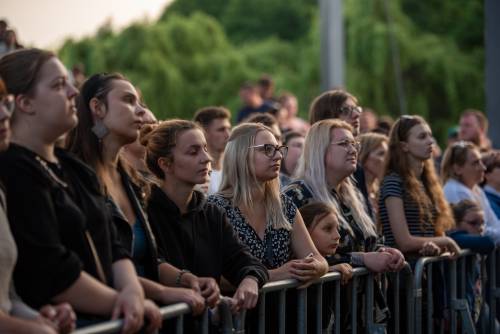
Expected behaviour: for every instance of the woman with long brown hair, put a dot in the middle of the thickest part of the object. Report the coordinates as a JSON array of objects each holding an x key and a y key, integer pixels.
[
  {"x": 412, "y": 208},
  {"x": 110, "y": 116}
]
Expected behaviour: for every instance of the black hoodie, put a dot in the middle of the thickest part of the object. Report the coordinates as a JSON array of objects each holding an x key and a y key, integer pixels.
[{"x": 201, "y": 241}]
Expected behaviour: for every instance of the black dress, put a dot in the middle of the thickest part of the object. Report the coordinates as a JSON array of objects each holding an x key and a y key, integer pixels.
[{"x": 56, "y": 213}]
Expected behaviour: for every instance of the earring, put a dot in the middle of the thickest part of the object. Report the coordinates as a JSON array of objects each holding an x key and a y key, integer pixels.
[{"x": 100, "y": 130}]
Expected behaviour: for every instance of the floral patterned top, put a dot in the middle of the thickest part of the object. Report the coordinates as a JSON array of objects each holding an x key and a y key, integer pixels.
[
  {"x": 351, "y": 240},
  {"x": 275, "y": 249}
]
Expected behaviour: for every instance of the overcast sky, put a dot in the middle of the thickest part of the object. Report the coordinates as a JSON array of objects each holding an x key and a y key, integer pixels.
[{"x": 46, "y": 23}]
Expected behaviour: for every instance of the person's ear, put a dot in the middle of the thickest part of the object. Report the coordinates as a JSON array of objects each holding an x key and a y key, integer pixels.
[
  {"x": 457, "y": 170},
  {"x": 24, "y": 104},
  {"x": 97, "y": 108},
  {"x": 165, "y": 165},
  {"x": 404, "y": 146}
]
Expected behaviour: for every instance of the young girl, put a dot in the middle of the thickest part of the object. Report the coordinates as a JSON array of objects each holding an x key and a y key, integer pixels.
[
  {"x": 468, "y": 233},
  {"x": 323, "y": 226}
]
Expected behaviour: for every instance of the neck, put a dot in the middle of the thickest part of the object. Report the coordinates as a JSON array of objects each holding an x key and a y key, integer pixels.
[
  {"x": 417, "y": 166},
  {"x": 179, "y": 192},
  {"x": 469, "y": 185},
  {"x": 216, "y": 159},
  {"x": 333, "y": 180},
  {"x": 35, "y": 143},
  {"x": 110, "y": 153},
  {"x": 258, "y": 193}
]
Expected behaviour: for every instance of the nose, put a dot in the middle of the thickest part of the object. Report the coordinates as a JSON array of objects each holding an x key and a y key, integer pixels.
[
  {"x": 140, "y": 110},
  {"x": 72, "y": 91},
  {"x": 483, "y": 167},
  {"x": 206, "y": 157}
]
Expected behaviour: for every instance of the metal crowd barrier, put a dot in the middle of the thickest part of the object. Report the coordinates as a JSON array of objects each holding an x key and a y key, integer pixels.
[{"x": 416, "y": 305}]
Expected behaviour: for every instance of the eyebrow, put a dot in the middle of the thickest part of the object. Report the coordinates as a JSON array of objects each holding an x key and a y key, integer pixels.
[{"x": 59, "y": 77}]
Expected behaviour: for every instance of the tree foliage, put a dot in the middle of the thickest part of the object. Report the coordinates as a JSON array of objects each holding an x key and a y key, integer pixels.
[{"x": 199, "y": 52}]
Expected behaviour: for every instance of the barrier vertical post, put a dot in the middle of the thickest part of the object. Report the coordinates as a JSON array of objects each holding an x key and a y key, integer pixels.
[{"x": 302, "y": 311}]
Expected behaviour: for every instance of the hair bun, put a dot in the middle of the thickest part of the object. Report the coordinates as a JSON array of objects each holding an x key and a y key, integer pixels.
[{"x": 145, "y": 133}]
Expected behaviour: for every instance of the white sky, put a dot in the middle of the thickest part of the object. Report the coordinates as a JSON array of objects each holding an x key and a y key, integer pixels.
[{"x": 46, "y": 23}]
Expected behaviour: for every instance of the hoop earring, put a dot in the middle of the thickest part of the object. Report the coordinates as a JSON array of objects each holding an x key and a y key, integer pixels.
[{"x": 100, "y": 130}]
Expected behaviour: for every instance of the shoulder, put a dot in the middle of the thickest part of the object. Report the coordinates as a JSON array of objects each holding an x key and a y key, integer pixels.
[
  {"x": 392, "y": 179},
  {"x": 219, "y": 200},
  {"x": 19, "y": 165},
  {"x": 298, "y": 193},
  {"x": 392, "y": 185}
]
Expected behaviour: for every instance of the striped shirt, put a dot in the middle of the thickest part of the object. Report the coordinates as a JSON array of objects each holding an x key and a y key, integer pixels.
[{"x": 392, "y": 186}]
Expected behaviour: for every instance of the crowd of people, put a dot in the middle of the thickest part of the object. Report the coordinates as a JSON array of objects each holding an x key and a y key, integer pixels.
[{"x": 106, "y": 212}]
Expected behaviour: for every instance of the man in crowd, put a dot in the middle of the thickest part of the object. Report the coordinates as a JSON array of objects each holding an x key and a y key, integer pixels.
[
  {"x": 474, "y": 128},
  {"x": 252, "y": 101},
  {"x": 217, "y": 126}
]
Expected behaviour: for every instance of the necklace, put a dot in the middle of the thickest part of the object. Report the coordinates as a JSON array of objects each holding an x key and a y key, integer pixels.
[{"x": 53, "y": 175}]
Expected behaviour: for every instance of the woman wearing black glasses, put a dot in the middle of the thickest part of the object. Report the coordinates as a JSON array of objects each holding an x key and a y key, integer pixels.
[{"x": 267, "y": 222}]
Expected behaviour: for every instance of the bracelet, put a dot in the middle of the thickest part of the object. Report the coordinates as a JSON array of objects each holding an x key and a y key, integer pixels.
[
  {"x": 253, "y": 278},
  {"x": 179, "y": 276}
]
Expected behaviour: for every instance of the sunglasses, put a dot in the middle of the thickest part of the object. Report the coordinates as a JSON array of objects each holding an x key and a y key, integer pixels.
[{"x": 270, "y": 150}]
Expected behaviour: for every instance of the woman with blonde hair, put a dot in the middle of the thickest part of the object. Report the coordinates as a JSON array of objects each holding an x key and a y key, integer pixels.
[
  {"x": 328, "y": 161},
  {"x": 324, "y": 175},
  {"x": 371, "y": 157},
  {"x": 462, "y": 170},
  {"x": 412, "y": 208},
  {"x": 266, "y": 221}
]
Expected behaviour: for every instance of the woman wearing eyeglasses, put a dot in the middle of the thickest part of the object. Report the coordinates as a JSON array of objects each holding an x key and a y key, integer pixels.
[
  {"x": 267, "y": 222},
  {"x": 324, "y": 175},
  {"x": 329, "y": 159},
  {"x": 462, "y": 170}
]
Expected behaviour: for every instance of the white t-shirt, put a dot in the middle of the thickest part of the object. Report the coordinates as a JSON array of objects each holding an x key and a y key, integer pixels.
[
  {"x": 455, "y": 191},
  {"x": 215, "y": 180}
]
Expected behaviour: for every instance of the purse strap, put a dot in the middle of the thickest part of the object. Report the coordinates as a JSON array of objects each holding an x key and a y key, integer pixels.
[{"x": 98, "y": 264}]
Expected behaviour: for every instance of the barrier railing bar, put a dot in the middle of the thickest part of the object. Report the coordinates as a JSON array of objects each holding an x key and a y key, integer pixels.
[
  {"x": 282, "y": 309},
  {"x": 302, "y": 311},
  {"x": 319, "y": 308},
  {"x": 262, "y": 313},
  {"x": 337, "y": 307},
  {"x": 354, "y": 304}
]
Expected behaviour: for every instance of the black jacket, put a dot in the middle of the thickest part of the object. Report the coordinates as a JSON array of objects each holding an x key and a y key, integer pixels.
[
  {"x": 49, "y": 209},
  {"x": 134, "y": 194},
  {"x": 201, "y": 241}
]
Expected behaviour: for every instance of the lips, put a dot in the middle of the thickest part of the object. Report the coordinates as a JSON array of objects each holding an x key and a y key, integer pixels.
[{"x": 203, "y": 171}]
